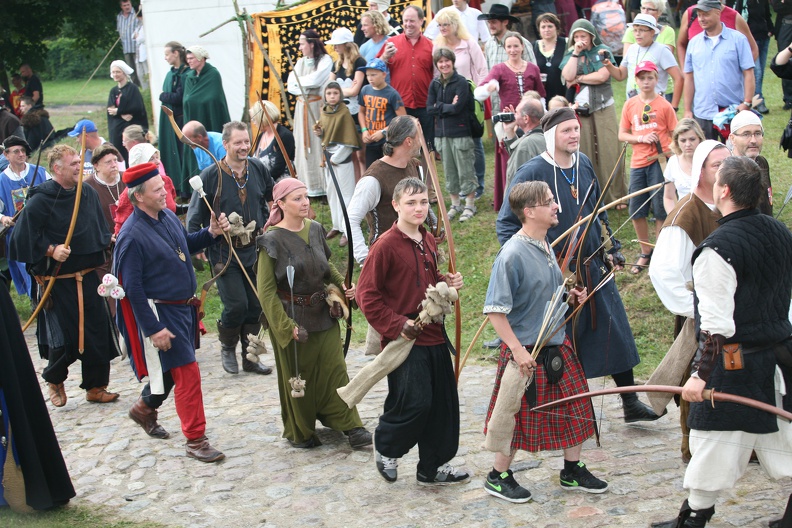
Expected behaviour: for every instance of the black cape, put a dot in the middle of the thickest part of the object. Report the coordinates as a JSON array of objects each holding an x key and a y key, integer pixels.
[{"x": 47, "y": 481}]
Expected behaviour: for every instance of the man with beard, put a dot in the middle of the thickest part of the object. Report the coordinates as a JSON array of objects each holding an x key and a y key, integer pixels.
[
  {"x": 605, "y": 343},
  {"x": 245, "y": 189}
]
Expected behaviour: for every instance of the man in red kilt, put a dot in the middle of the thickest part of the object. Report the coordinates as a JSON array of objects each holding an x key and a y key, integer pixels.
[{"x": 524, "y": 277}]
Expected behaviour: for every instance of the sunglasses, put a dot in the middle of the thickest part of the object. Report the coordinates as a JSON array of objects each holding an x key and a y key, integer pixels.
[{"x": 645, "y": 114}]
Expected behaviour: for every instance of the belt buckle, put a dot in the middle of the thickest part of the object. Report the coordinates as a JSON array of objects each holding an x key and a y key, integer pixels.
[{"x": 316, "y": 298}]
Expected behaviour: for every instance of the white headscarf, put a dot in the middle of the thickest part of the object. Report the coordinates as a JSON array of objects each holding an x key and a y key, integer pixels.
[
  {"x": 198, "y": 51},
  {"x": 699, "y": 157},
  {"x": 121, "y": 65},
  {"x": 141, "y": 153}
]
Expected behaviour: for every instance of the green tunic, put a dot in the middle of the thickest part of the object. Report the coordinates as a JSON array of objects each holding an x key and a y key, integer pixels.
[
  {"x": 172, "y": 95},
  {"x": 321, "y": 359},
  {"x": 204, "y": 101}
]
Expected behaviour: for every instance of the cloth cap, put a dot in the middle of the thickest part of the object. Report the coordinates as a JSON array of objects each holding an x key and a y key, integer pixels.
[
  {"x": 340, "y": 36},
  {"x": 83, "y": 124},
  {"x": 141, "y": 153},
  {"x": 281, "y": 190},
  {"x": 198, "y": 51},
  {"x": 382, "y": 5},
  {"x": 708, "y": 5},
  {"x": 499, "y": 12},
  {"x": 645, "y": 66},
  {"x": 374, "y": 64},
  {"x": 555, "y": 117},
  {"x": 745, "y": 118},
  {"x": 16, "y": 141},
  {"x": 646, "y": 20},
  {"x": 699, "y": 157},
  {"x": 138, "y": 174},
  {"x": 123, "y": 66}
]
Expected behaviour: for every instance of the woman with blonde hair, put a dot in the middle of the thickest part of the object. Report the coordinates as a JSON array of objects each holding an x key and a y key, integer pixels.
[
  {"x": 268, "y": 150},
  {"x": 684, "y": 139}
]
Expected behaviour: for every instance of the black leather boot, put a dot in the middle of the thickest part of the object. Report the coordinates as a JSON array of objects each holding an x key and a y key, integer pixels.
[
  {"x": 786, "y": 520},
  {"x": 229, "y": 337},
  {"x": 688, "y": 518},
  {"x": 247, "y": 365},
  {"x": 637, "y": 411}
]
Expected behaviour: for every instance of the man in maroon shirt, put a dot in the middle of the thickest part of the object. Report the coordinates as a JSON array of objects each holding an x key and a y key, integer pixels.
[{"x": 409, "y": 58}]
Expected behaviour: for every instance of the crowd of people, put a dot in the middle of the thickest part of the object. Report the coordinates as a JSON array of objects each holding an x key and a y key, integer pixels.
[{"x": 360, "y": 123}]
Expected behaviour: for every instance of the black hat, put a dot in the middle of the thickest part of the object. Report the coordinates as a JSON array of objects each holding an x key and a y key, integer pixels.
[
  {"x": 499, "y": 12},
  {"x": 556, "y": 116},
  {"x": 16, "y": 141}
]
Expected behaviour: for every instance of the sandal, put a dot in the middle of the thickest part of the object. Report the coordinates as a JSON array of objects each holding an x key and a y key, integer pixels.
[
  {"x": 638, "y": 268},
  {"x": 467, "y": 214},
  {"x": 454, "y": 210}
]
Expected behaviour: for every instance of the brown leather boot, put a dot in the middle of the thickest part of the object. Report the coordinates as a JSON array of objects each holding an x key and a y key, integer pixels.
[
  {"x": 100, "y": 395},
  {"x": 57, "y": 394},
  {"x": 146, "y": 417},
  {"x": 200, "y": 449}
]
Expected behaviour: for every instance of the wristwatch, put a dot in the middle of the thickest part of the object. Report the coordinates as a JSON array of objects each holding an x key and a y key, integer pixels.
[{"x": 749, "y": 104}]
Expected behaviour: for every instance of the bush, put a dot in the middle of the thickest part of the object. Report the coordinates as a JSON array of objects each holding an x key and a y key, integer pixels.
[{"x": 66, "y": 61}]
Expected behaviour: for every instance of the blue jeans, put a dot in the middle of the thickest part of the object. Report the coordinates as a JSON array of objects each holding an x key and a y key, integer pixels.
[
  {"x": 641, "y": 178},
  {"x": 479, "y": 163},
  {"x": 761, "y": 62}
]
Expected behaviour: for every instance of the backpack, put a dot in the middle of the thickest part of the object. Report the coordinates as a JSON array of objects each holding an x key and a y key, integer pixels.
[
  {"x": 477, "y": 116},
  {"x": 610, "y": 23}
]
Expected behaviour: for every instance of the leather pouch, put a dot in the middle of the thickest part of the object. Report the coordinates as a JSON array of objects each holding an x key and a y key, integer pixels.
[{"x": 732, "y": 356}]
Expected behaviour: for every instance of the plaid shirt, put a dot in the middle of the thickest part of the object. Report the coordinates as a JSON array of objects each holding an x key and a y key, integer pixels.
[
  {"x": 126, "y": 27},
  {"x": 495, "y": 53}
]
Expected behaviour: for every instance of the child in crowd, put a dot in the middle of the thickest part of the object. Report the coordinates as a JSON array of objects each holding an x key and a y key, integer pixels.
[
  {"x": 339, "y": 137},
  {"x": 646, "y": 123},
  {"x": 379, "y": 103}
]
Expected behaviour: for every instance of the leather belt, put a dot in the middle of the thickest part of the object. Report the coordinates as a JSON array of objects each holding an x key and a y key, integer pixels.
[
  {"x": 303, "y": 300},
  {"x": 192, "y": 301},
  {"x": 77, "y": 276}
]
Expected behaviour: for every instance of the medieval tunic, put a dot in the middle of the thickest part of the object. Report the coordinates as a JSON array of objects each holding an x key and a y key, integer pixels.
[
  {"x": 422, "y": 406},
  {"x": 204, "y": 101},
  {"x": 523, "y": 279},
  {"x": 308, "y": 156},
  {"x": 171, "y": 97},
  {"x": 45, "y": 220},
  {"x": 13, "y": 192},
  {"x": 36, "y": 449},
  {"x": 128, "y": 101},
  {"x": 341, "y": 140},
  {"x": 610, "y": 347},
  {"x": 742, "y": 280},
  {"x": 240, "y": 305},
  {"x": 148, "y": 266},
  {"x": 320, "y": 359}
]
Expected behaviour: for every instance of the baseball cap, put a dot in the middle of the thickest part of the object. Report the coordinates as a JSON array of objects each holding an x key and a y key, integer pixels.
[
  {"x": 340, "y": 36},
  {"x": 375, "y": 64},
  {"x": 708, "y": 5},
  {"x": 83, "y": 124},
  {"x": 645, "y": 66}
]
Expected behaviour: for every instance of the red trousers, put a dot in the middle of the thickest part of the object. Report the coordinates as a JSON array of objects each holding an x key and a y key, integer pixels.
[{"x": 188, "y": 398}]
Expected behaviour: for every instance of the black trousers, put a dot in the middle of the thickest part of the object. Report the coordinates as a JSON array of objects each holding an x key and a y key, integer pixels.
[
  {"x": 240, "y": 304},
  {"x": 93, "y": 375},
  {"x": 784, "y": 39},
  {"x": 156, "y": 400},
  {"x": 427, "y": 124},
  {"x": 422, "y": 408}
]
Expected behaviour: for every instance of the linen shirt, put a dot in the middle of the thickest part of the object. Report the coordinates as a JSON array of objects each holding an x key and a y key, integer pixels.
[
  {"x": 126, "y": 27},
  {"x": 717, "y": 64}
]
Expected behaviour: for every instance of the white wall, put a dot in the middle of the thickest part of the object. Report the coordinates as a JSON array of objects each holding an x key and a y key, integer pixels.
[{"x": 183, "y": 21}]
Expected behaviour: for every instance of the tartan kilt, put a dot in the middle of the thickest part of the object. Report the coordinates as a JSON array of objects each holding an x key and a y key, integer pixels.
[{"x": 561, "y": 427}]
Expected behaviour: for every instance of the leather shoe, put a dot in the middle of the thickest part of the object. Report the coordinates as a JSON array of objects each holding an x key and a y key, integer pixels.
[
  {"x": 256, "y": 368},
  {"x": 228, "y": 358},
  {"x": 308, "y": 444},
  {"x": 358, "y": 437},
  {"x": 100, "y": 395},
  {"x": 637, "y": 411},
  {"x": 200, "y": 449},
  {"x": 57, "y": 394},
  {"x": 343, "y": 242},
  {"x": 146, "y": 417},
  {"x": 332, "y": 234}
]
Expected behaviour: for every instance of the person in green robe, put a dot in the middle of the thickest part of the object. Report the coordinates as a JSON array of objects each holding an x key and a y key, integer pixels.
[
  {"x": 204, "y": 101},
  {"x": 171, "y": 97},
  {"x": 304, "y": 332}
]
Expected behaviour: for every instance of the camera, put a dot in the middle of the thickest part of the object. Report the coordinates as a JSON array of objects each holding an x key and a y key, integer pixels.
[
  {"x": 583, "y": 110},
  {"x": 503, "y": 117}
]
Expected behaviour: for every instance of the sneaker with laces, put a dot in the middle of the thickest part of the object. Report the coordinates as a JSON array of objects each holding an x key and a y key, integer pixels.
[
  {"x": 446, "y": 475},
  {"x": 506, "y": 488},
  {"x": 387, "y": 467},
  {"x": 581, "y": 479}
]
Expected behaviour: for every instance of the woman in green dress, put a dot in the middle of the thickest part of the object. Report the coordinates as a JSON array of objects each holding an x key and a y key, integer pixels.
[{"x": 305, "y": 338}]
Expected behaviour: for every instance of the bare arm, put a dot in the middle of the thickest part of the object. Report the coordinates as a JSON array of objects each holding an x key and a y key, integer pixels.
[
  {"x": 688, "y": 94},
  {"x": 742, "y": 26},
  {"x": 669, "y": 196},
  {"x": 679, "y": 85},
  {"x": 682, "y": 39}
]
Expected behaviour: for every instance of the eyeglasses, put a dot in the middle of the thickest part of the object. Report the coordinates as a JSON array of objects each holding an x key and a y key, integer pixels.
[
  {"x": 755, "y": 135},
  {"x": 640, "y": 30},
  {"x": 20, "y": 150},
  {"x": 548, "y": 203},
  {"x": 645, "y": 114},
  {"x": 647, "y": 8}
]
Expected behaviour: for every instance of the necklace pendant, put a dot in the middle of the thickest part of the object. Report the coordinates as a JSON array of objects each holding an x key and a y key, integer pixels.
[
  {"x": 181, "y": 255},
  {"x": 574, "y": 192}
]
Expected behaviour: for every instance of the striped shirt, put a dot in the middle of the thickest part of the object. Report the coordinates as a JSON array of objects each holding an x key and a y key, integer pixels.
[{"x": 126, "y": 27}]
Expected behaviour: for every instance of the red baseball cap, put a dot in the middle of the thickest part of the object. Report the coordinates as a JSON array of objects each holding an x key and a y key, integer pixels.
[{"x": 645, "y": 66}]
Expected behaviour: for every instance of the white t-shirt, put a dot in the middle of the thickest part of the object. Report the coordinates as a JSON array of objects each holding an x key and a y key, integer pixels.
[
  {"x": 659, "y": 54},
  {"x": 677, "y": 176}
]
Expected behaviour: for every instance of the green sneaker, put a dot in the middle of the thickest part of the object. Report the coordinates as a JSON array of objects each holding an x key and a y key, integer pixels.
[
  {"x": 506, "y": 488},
  {"x": 581, "y": 479}
]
